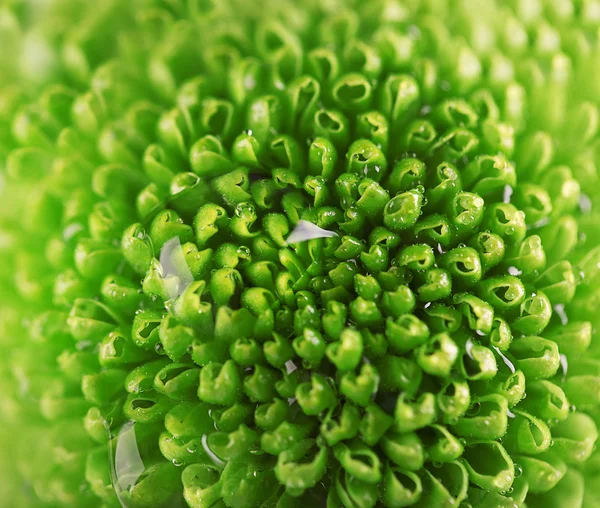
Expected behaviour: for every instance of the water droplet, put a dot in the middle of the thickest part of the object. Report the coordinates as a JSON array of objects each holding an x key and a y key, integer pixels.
[
  {"x": 173, "y": 264},
  {"x": 564, "y": 365},
  {"x": 244, "y": 252},
  {"x": 469, "y": 348},
  {"x": 290, "y": 366},
  {"x": 82, "y": 345},
  {"x": 213, "y": 457},
  {"x": 585, "y": 203},
  {"x": 560, "y": 312},
  {"x": 306, "y": 230},
  {"x": 249, "y": 83},
  {"x": 126, "y": 464},
  {"x": 507, "y": 362},
  {"x": 71, "y": 230}
]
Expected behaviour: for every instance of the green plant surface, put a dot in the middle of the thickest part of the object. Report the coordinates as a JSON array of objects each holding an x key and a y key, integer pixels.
[{"x": 278, "y": 254}]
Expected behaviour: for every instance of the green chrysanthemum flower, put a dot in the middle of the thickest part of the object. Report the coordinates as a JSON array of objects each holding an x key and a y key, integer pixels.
[{"x": 273, "y": 254}]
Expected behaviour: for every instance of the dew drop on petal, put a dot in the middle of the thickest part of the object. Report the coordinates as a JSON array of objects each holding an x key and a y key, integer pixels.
[
  {"x": 213, "y": 457},
  {"x": 469, "y": 347},
  {"x": 564, "y": 365},
  {"x": 306, "y": 230},
  {"x": 126, "y": 465},
  {"x": 585, "y": 204},
  {"x": 173, "y": 264},
  {"x": 508, "y": 363},
  {"x": 513, "y": 270},
  {"x": 560, "y": 311},
  {"x": 290, "y": 366}
]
